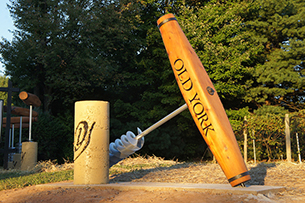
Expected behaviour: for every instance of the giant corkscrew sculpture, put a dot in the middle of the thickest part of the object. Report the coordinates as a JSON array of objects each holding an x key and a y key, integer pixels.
[{"x": 202, "y": 101}]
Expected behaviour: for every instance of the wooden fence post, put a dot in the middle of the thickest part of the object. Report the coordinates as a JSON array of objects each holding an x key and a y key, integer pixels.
[
  {"x": 288, "y": 141},
  {"x": 245, "y": 139},
  {"x": 298, "y": 146},
  {"x": 254, "y": 150}
]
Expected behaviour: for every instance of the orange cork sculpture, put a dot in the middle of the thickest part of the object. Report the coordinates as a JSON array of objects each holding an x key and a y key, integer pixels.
[{"x": 203, "y": 101}]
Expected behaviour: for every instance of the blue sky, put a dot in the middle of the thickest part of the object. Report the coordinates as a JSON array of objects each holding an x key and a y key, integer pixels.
[{"x": 5, "y": 25}]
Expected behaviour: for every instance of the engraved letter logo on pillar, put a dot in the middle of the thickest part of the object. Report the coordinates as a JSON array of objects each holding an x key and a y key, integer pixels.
[{"x": 82, "y": 136}]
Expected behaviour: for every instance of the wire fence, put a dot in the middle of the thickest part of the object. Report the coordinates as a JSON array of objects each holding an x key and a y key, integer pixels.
[{"x": 272, "y": 137}]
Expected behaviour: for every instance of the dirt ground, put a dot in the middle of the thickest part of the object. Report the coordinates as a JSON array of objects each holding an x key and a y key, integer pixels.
[{"x": 289, "y": 175}]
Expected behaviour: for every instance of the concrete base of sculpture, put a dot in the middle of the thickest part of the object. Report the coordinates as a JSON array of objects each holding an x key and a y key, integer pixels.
[
  {"x": 91, "y": 142},
  {"x": 154, "y": 186}
]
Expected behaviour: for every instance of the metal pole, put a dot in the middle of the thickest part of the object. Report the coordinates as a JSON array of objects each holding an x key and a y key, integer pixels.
[
  {"x": 1, "y": 117},
  {"x": 20, "y": 136},
  {"x": 13, "y": 129},
  {"x": 9, "y": 145},
  {"x": 20, "y": 131},
  {"x": 162, "y": 121},
  {"x": 10, "y": 138},
  {"x": 13, "y": 136},
  {"x": 30, "y": 124}
]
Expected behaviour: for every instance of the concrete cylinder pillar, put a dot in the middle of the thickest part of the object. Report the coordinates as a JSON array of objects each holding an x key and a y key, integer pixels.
[
  {"x": 29, "y": 155},
  {"x": 17, "y": 161},
  {"x": 91, "y": 142}
]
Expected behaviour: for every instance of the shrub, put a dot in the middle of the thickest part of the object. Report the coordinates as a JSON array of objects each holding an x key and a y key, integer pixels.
[{"x": 54, "y": 136}]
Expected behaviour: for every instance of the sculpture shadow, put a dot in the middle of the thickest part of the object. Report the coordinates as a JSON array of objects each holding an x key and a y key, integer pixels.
[
  {"x": 258, "y": 173},
  {"x": 141, "y": 173}
]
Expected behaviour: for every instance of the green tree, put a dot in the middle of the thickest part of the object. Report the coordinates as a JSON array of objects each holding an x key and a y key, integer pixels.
[
  {"x": 70, "y": 50},
  {"x": 217, "y": 33},
  {"x": 3, "y": 83},
  {"x": 279, "y": 27},
  {"x": 65, "y": 51}
]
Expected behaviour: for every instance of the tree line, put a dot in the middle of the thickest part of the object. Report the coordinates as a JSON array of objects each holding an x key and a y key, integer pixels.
[{"x": 65, "y": 51}]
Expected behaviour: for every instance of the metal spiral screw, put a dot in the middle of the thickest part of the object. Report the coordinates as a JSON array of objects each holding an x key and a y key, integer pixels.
[{"x": 129, "y": 143}]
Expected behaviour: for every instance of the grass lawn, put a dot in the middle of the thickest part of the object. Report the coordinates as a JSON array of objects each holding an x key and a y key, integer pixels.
[
  {"x": 50, "y": 172},
  {"x": 18, "y": 179}
]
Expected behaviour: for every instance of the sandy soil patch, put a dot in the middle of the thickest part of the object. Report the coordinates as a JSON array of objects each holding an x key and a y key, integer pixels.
[{"x": 289, "y": 175}]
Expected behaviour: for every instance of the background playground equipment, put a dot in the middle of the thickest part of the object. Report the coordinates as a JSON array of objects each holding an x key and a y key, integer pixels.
[
  {"x": 18, "y": 122},
  {"x": 30, "y": 148},
  {"x": 15, "y": 158},
  {"x": 12, "y": 153},
  {"x": 91, "y": 142},
  {"x": 31, "y": 100},
  {"x": 203, "y": 101},
  {"x": 19, "y": 111},
  {"x": 9, "y": 89}
]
